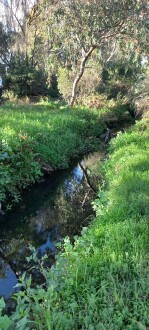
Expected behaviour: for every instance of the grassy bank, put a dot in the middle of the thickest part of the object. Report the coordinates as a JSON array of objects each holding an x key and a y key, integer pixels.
[
  {"x": 41, "y": 136},
  {"x": 103, "y": 281},
  {"x": 44, "y": 136}
]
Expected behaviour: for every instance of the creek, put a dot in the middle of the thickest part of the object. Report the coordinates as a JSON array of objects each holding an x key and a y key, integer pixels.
[{"x": 58, "y": 206}]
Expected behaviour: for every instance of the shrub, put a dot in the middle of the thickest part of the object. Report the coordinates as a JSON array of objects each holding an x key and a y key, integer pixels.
[{"x": 25, "y": 79}]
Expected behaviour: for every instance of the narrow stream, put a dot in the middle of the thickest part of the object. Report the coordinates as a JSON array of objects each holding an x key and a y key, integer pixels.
[{"x": 48, "y": 211}]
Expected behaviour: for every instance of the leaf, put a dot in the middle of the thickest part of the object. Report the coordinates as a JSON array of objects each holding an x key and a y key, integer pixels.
[
  {"x": 2, "y": 304},
  {"x": 4, "y": 156},
  {"x": 21, "y": 325},
  {"x": 4, "y": 322}
]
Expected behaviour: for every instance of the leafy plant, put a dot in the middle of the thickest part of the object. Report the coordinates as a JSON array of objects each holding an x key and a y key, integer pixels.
[{"x": 5, "y": 322}]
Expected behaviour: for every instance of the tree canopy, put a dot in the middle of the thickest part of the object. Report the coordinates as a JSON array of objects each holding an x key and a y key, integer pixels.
[{"x": 56, "y": 33}]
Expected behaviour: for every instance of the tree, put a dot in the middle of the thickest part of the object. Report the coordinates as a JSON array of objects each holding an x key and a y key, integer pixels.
[
  {"x": 25, "y": 55},
  {"x": 5, "y": 42},
  {"x": 81, "y": 26}
]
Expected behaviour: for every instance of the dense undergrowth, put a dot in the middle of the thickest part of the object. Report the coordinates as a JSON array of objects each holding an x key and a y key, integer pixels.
[
  {"x": 45, "y": 135},
  {"x": 103, "y": 281}
]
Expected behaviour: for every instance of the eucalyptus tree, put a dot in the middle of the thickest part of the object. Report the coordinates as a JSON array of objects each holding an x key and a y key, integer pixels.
[{"x": 79, "y": 27}]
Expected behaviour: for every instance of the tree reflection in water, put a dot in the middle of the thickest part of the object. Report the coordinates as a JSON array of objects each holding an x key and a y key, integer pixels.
[{"x": 51, "y": 210}]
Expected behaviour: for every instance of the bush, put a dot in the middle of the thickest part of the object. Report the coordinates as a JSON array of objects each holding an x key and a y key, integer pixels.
[
  {"x": 25, "y": 79},
  {"x": 65, "y": 81},
  {"x": 139, "y": 95},
  {"x": 93, "y": 101}
]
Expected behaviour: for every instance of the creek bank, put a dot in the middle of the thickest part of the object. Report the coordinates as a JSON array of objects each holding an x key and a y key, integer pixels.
[
  {"x": 60, "y": 205},
  {"x": 42, "y": 233},
  {"x": 47, "y": 137},
  {"x": 101, "y": 282}
]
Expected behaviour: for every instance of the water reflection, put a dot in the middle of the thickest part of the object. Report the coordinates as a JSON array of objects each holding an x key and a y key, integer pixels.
[
  {"x": 49, "y": 211},
  {"x": 48, "y": 246},
  {"x": 8, "y": 280}
]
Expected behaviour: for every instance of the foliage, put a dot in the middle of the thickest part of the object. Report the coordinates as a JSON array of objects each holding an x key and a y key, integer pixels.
[
  {"x": 121, "y": 73},
  {"x": 84, "y": 27},
  {"x": 90, "y": 80},
  {"x": 5, "y": 323},
  {"x": 53, "y": 89},
  {"x": 23, "y": 78},
  {"x": 25, "y": 50},
  {"x": 87, "y": 26},
  {"x": 39, "y": 135},
  {"x": 139, "y": 95},
  {"x": 95, "y": 100},
  {"x": 102, "y": 281},
  {"x": 5, "y": 42},
  {"x": 52, "y": 34},
  {"x": 65, "y": 79},
  {"x": 88, "y": 85}
]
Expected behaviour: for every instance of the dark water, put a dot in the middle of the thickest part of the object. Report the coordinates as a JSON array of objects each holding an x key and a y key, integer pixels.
[{"x": 59, "y": 206}]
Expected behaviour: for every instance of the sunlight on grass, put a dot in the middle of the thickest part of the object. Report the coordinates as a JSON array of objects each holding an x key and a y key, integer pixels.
[{"x": 45, "y": 133}]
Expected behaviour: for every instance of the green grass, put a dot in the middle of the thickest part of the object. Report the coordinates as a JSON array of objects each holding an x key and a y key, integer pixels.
[
  {"x": 42, "y": 134},
  {"x": 45, "y": 134},
  {"x": 103, "y": 281}
]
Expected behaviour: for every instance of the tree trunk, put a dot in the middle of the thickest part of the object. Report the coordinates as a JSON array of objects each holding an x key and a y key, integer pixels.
[
  {"x": 87, "y": 178},
  {"x": 79, "y": 75}
]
